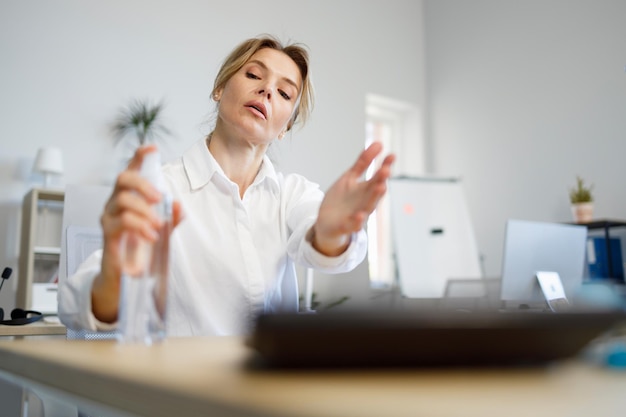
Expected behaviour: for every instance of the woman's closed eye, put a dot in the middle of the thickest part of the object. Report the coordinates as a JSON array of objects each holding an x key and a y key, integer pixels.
[{"x": 282, "y": 93}]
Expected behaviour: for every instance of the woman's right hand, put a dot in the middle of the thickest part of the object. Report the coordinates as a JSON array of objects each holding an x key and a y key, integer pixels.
[{"x": 128, "y": 210}]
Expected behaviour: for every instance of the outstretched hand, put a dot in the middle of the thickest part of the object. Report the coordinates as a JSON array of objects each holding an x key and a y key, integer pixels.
[{"x": 349, "y": 202}]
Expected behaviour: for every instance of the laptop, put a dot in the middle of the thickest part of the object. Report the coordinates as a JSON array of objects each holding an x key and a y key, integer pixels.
[
  {"x": 543, "y": 263},
  {"x": 424, "y": 339}
]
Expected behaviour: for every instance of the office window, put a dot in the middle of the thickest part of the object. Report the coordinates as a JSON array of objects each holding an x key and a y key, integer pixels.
[{"x": 397, "y": 126}]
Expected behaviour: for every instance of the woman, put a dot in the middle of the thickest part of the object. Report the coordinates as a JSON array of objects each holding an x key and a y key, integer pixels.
[{"x": 245, "y": 226}]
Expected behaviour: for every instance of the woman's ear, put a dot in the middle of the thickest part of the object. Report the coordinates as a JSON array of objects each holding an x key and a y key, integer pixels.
[{"x": 217, "y": 94}]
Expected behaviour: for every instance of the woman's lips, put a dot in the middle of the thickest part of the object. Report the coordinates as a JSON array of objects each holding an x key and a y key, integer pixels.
[{"x": 257, "y": 108}]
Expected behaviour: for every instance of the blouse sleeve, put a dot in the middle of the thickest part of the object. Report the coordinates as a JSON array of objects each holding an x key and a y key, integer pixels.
[
  {"x": 303, "y": 199},
  {"x": 74, "y": 297}
]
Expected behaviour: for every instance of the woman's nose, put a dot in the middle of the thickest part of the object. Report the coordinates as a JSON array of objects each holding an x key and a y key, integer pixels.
[{"x": 266, "y": 91}]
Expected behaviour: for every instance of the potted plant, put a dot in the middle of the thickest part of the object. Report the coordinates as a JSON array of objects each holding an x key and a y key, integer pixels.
[
  {"x": 581, "y": 199},
  {"x": 142, "y": 119}
]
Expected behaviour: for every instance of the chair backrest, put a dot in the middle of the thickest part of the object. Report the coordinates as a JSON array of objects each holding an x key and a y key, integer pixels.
[
  {"x": 81, "y": 236},
  {"x": 81, "y": 223},
  {"x": 472, "y": 294}
]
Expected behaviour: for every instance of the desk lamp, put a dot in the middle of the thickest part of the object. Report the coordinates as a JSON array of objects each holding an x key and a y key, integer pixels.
[{"x": 49, "y": 162}]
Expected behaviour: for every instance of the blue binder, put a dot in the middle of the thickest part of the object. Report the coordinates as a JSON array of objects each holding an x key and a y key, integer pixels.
[{"x": 598, "y": 260}]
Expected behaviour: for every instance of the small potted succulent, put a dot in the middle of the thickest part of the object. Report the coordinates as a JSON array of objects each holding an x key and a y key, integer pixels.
[{"x": 581, "y": 199}]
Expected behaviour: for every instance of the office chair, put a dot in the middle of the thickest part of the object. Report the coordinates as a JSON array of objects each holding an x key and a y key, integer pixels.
[{"x": 81, "y": 236}]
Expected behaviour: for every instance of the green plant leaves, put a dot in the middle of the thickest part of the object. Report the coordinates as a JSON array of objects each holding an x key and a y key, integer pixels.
[
  {"x": 581, "y": 193},
  {"x": 142, "y": 119}
]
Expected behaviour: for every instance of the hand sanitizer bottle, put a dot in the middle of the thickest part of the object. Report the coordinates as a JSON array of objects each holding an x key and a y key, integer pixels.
[{"x": 143, "y": 293}]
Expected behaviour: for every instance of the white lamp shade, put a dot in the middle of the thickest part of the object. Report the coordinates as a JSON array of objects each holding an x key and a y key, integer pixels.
[{"x": 49, "y": 161}]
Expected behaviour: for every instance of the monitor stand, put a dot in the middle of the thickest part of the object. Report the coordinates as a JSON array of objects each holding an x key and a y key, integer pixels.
[{"x": 552, "y": 289}]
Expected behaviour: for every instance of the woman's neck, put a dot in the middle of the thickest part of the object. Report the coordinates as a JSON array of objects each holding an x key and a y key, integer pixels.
[{"x": 240, "y": 160}]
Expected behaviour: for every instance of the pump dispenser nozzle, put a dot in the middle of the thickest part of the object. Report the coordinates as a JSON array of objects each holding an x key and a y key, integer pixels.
[{"x": 151, "y": 170}]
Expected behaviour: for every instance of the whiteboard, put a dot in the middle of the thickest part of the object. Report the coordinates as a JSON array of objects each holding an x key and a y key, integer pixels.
[{"x": 432, "y": 235}]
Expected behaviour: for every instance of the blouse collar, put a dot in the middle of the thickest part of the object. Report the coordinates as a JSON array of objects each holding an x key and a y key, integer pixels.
[{"x": 200, "y": 167}]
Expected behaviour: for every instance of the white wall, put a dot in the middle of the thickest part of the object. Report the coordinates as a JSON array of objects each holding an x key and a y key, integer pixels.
[
  {"x": 68, "y": 65},
  {"x": 524, "y": 96}
]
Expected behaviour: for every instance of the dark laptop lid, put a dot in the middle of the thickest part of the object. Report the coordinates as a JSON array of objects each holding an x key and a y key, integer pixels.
[{"x": 440, "y": 338}]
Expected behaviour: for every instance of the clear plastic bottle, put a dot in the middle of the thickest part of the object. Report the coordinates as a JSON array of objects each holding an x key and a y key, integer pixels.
[{"x": 143, "y": 293}]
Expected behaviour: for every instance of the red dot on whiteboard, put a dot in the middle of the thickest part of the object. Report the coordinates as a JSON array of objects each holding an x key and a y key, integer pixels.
[{"x": 408, "y": 209}]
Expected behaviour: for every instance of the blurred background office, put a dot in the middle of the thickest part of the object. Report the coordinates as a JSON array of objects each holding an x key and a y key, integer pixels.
[{"x": 515, "y": 98}]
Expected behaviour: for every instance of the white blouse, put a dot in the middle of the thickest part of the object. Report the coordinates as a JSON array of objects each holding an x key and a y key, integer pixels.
[{"x": 230, "y": 258}]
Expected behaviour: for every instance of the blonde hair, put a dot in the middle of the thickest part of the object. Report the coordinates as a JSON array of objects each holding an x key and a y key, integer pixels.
[{"x": 297, "y": 52}]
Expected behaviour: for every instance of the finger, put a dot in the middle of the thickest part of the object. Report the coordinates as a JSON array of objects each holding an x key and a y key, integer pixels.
[
  {"x": 384, "y": 172},
  {"x": 177, "y": 213},
  {"x": 137, "y": 159},
  {"x": 373, "y": 195},
  {"x": 375, "y": 188},
  {"x": 133, "y": 202},
  {"x": 130, "y": 222},
  {"x": 130, "y": 180},
  {"x": 365, "y": 159},
  {"x": 137, "y": 218},
  {"x": 389, "y": 160}
]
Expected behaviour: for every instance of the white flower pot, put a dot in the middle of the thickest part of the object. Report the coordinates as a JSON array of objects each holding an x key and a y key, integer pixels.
[{"x": 582, "y": 212}]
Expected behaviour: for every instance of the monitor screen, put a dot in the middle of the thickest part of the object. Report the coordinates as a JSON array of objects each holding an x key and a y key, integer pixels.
[{"x": 540, "y": 246}]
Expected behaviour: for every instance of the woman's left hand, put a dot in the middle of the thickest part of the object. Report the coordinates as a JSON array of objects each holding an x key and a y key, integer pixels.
[{"x": 349, "y": 202}]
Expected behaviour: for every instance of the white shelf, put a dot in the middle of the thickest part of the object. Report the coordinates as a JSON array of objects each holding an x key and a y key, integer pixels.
[
  {"x": 46, "y": 250},
  {"x": 39, "y": 252}
]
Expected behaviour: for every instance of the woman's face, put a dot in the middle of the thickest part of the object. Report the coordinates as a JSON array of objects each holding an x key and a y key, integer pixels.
[{"x": 259, "y": 100}]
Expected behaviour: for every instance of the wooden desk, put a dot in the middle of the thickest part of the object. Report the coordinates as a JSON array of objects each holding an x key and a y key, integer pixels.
[
  {"x": 208, "y": 376},
  {"x": 38, "y": 328}
]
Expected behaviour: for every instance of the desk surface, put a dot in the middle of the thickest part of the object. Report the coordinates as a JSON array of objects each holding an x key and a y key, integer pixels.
[
  {"x": 209, "y": 376},
  {"x": 38, "y": 328}
]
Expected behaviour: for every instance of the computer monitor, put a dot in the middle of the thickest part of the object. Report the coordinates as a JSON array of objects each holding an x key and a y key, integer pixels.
[{"x": 530, "y": 247}]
